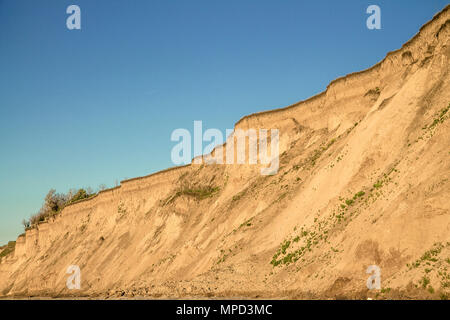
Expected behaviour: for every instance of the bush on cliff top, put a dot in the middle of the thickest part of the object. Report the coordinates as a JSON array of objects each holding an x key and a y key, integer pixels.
[
  {"x": 55, "y": 202},
  {"x": 7, "y": 249}
]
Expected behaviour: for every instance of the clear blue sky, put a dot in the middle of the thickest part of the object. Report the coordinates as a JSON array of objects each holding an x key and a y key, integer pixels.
[{"x": 84, "y": 107}]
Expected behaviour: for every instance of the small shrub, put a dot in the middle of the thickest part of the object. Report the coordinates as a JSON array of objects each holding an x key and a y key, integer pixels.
[
  {"x": 360, "y": 194},
  {"x": 285, "y": 245},
  {"x": 239, "y": 195},
  {"x": 80, "y": 195},
  {"x": 54, "y": 203},
  {"x": 9, "y": 248},
  {"x": 201, "y": 192},
  {"x": 378, "y": 185},
  {"x": 425, "y": 282}
]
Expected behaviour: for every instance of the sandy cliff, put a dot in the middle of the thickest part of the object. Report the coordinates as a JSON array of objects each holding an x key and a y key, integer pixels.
[{"x": 363, "y": 180}]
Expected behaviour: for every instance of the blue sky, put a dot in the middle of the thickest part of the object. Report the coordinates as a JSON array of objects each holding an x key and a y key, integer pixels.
[{"x": 87, "y": 107}]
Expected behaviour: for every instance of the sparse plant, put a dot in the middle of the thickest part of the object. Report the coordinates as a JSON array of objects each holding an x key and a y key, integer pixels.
[
  {"x": 26, "y": 224},
  {"x": 378, "y": 184},
  {"x": 6, "y": 250},
  {"x": 425, "y": 282},
  {"x": 54, "y": 203}
]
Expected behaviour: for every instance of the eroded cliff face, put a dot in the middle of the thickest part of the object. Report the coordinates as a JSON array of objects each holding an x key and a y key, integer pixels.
[{"x": 363, "y": 180}]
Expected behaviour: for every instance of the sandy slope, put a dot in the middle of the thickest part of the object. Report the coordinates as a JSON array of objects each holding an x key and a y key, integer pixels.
[{"x": 383, "y": 132}]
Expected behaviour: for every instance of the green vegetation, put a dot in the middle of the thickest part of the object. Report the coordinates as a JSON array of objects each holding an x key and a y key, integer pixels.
[
  {"x": 378, "y": 184},
  {"x": 425, "y": 282},
  {"x": 197, "y": 192},
  {"x": 295, "y": 255},
  {"x": 359, "y": 194},
  {"x": 319, "y": 233},
  {"x": 121, "y": 208},
  {"x": 285, "y": 245},
  {"x": 239, "y": 195},
  {"x": 224, "y": 256},
  {"x": 349, "y": 202},
  {"x": 318, "y": 152},
  {"x": 7, "y": 249},
  {"x": 375, "y": 91},
  {"x": 222, "y": 259},
  {"x": 80, "y": 195},
  {"x": 54, "y": 203},
  {"x": 121, "y": 211},
  {"x": 439, "y": 117},
  {"x": 430, "y": 255},
  {"x": 434, "y": 266},
  {"x": 385, "y": 290},
  {"x": 247, "y": 223}
]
